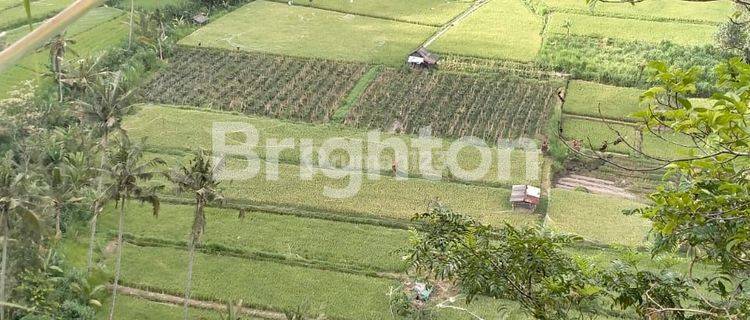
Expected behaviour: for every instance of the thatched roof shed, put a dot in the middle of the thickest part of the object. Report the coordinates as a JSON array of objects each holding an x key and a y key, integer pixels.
[{"x": 423, "y": 58}]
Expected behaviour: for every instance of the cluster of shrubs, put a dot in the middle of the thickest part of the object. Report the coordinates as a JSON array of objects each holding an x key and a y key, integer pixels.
[{"x": 623, "y": 63}]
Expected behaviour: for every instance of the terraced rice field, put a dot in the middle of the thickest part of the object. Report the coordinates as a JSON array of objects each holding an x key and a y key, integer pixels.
[
  {"x": 152, "y": 4},
  {"x": 616, "y": 103},
  {"x": 697, "y": 11},
  {"x": 634, "y": 182},
  {"x": 262, "y": 284},
  {"x": 90, "y": 20},
  {"x": 259, "y": 84},
  {"x": 176, "y": 131},
  {"x": 334, "y": 69},
  {"x": 501, "y": 29},
  {"x": 5, "y": 4},
  {"x": 275, "y": 286},
  {"x": 385, "y": 197},
  {"x": 619, "y": 62},
  {"x": 632, "y": 30},
  {"x": 14, "y": 13},
  {"x": 380, "y": 196},
  {"x": 427, "y": 12},
  {"x": 99, "y": 30},
  {"x": 596, "y": 101},
  {"x": 463, "y": 64},
  {"x": 588, "y": 98},
  {"x": 277, "y": 28},
  {"x": 342, "y": 244},
  {"x": 669, "y": 145},
  {"x": 597, "y": 218},
  {"x": 136, "y": 308},
  {"x": 597, "y": 132},
  {"x": 455, "y": 105}
]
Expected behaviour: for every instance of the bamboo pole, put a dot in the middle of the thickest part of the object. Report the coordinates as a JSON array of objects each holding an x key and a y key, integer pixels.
[{"x": 45, "y": 31}]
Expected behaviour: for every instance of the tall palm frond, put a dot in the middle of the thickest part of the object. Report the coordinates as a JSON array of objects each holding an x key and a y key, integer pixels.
[
  {"x": 105, "y": 104},
  {"x": 83, "y": 73},
  {"x": 64, "y": 157},
  {"x": 197, "y": 177},
  {"x": 126, "y": 171}
]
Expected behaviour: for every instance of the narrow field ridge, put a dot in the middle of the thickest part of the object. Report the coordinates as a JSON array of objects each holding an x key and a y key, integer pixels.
[
  {"x": 593, "y": 185},
  {"x": 170, "y": 299},
  {"x": 474, "y": 7}
]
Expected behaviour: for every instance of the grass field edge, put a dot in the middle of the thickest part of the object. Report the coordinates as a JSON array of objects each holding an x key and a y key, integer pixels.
[
  {"x": 374, "y": 16},
  {"x": 594, "y": 13}
]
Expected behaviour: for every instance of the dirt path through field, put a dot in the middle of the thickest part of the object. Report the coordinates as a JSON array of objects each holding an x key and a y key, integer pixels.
[
  {"x": 593, "y": 185},
  {"x": 478, "y": 4},
  {"x": 179, "y": 301}
]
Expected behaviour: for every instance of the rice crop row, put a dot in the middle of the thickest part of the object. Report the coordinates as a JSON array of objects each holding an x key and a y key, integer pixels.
[{"x": 178, "y": 130}]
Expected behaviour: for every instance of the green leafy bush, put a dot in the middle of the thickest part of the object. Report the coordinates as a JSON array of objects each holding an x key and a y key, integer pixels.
[{"x": 623, "y": 63}]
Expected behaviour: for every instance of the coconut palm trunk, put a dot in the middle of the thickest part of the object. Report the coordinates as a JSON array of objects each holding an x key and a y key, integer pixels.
[
  {"x": 96, "y": 206},
  {"x": 4, "y": 267},
  {"x": 130, "y": 33},
  {"x": 58, "y": 214},
  {"x": 60, "y": 85},
  {"x": 92, "y": 238},
  {"x": 118, "y": 261},
  {"x": 198, "y": 224}
]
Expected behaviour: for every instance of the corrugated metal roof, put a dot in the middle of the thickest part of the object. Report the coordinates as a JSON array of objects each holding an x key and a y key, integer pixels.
[
  {"x": 413, "y": 59},
  {"x": 534, "y": 191},
  {"x": 525, "y": 193}
]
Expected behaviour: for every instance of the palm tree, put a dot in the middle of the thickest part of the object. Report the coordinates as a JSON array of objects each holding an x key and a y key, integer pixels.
[
  {"x": 14, "y": 206},
  {"x": 151, "y": 31},
  {"x": 82, "y": 74},
  {"x": 197, "y": 177},
  {"x": 105, "y": 106},
  {"x": 57, "y": 46},
  {"x": 65, "y": 167},
  {"x": 66, "y": 182},
  {"x": 126, "y": 171}
]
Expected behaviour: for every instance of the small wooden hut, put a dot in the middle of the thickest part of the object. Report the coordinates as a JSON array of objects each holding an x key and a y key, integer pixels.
[
  {"x": 422, "y": 58},
  {"x": 525, "y": 196}
]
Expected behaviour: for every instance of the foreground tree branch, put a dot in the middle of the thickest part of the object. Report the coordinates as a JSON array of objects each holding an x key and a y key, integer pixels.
[{"x": 52, "y": 27}]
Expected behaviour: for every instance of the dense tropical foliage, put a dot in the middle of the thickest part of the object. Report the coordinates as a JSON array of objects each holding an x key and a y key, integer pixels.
[
  {"x": 704, "y": 213},
  {"x": 68, "y": 160}
]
